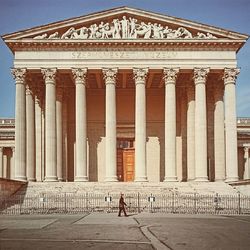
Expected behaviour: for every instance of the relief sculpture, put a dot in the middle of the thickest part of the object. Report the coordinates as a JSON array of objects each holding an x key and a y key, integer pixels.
[{"x": 126, "y": 28}]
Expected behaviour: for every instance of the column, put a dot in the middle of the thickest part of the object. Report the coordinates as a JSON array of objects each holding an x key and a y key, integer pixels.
[
  {"x": 49, "y": 75},
  {"x": 30, "y": 136},
  {"x": 170, "y": 76},
  {"x": 246, "y": 163},
  {"x": 5, "y": 165},
  {"x": 190, "y": 133},
  {"x": 109, "y": 76},
  {"x": 65, "y": 135},
  {"x": 1, "y": 162},
  {"x": 20, "y": 124},
  {"x": 140, "y": 75},
  {"x": 38, "y": 126},
  {"x": 59, "y": 132},
  {"x": 81, "y": 125},
  {"x": 230, "y": 76},
  {"x": 12, "y": 164},
  {"x": 200, "y": 76},
  {"x": 219, "y": 134}
]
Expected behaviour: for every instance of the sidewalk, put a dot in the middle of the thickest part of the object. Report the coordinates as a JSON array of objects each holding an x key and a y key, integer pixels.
[{"x": 138, "y": 231}]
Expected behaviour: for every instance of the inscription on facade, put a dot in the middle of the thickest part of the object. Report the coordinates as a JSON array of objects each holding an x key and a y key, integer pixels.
[{"x": 124, "y": 55}]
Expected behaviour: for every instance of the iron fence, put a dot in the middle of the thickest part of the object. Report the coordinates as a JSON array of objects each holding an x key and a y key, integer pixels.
[{"x": 69, "y": 203}]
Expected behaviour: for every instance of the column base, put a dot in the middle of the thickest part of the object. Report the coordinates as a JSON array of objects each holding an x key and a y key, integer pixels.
[
  {"x": 111, "y": 179},
  {"x": 201, "y": 179},
  {"x": 21, "y": 178},
  {"x": 141, "y": 179},
  {"x": 81, "y": 179},
  {"x": 231, "y": 179},
  {"x": 50, "y": 179},
  {"x": 170, "y": 179},
  {"x": 60, "y": 179}
]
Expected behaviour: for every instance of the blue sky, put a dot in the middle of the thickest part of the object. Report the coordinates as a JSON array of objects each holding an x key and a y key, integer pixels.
[{"x": 22, "y": 14}]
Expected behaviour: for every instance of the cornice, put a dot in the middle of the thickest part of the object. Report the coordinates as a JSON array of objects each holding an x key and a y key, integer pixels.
[{"x": 33, "y": 45}]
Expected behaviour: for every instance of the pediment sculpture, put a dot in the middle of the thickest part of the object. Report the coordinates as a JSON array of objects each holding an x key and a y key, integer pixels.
[{"x": 126, "y": 28}]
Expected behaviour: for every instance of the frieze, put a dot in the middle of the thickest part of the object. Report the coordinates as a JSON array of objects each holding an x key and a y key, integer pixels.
[
  {"x": 124, "y": 54},
  {"x": 126, "y": 28}
]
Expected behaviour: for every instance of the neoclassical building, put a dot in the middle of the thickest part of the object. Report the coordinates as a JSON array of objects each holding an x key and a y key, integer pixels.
[{"x": 126, "y": 95}]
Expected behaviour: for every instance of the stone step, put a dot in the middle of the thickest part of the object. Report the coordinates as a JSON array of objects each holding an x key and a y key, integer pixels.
[{"x": 37, "y": 188}]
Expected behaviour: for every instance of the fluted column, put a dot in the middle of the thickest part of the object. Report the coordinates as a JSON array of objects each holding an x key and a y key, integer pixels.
[
  {"x": 65, "y": 135},
  {"x": 59, "y": 145},
  {"x": 5, "y": 166},
  {"x": 49, "y": 76},
  {"x": 30, "y": 122},
  {"x": 140, "y": 75},
  {"x": 246, "y": 163},
  {"x": 109, "y": 75},
  {"x": 81, "y": 125},
  {"x": 1, "y": 162},
  {"x": 191, "y": 133},
  {"x": 200, "y": 77},
  {"x": 170, "y": 76},
  {"x": 12, "y": 164},
  {"x": 230, "y": 76},
  {"x": 20, "y": 124},
  {"x": 219, "y": 135},
  {"x": 38, "y": 126}
]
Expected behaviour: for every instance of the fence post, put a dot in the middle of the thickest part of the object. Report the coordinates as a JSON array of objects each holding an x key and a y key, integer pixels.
[
  {"x": 65, "y": 202},
  {"x": 239, "y": 208},
  {"x": 173, "y": 202},
  {"x": 20, "y": 200},
  {"x": 87, "y": 202},
  {"x": 138, "y": 202},
  {"x": 195, "y": 203}
]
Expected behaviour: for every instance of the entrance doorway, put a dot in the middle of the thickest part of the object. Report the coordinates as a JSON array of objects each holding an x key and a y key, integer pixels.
[{"x": 125, "y": 159}]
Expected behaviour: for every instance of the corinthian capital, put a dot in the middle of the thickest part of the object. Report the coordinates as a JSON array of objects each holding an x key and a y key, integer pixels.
[
  {"x": 49, "y": 74},
  {"x": 170, "y": 75},
  {"x": 19, "y": 74},
  {"x": 80, "y": 75},
  {"x": 230, "y": 75},
  {"x": 109, "y": 75},
  {"x": 200, "y": 75},
  {"x": 140, "y": 75}
]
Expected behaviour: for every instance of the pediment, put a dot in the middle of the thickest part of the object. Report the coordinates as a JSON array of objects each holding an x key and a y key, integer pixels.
[{"x": 125, "y": 24}]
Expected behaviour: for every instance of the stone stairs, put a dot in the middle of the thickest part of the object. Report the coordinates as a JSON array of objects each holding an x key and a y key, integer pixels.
[{"x": 38, "y": 188}]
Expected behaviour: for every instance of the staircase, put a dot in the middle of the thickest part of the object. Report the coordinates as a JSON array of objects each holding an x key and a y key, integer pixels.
[{"x": 37, "y": 188}]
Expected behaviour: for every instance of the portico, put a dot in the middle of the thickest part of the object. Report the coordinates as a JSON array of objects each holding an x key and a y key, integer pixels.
[{"x": 170, "y": 99}]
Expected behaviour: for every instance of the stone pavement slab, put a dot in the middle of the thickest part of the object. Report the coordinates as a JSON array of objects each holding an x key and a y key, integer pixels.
[
  {"x": 106, "y": 219},
  {"x": 25, "y": 223}
]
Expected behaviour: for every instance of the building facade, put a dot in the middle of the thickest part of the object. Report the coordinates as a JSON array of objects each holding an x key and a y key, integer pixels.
[{"x": 125, "y": 95}]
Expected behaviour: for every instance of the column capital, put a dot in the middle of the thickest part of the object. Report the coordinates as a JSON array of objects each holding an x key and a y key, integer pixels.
[
  {"x": 79, "y": 75},
  {"x": 140, "y": 75},
  {"x": 1, "y": 149},
  {"x": 13, "y": 149},
  {"x": 230, "y": 75},
  {"x": 109, "y": 75},
  {"x": 49, "y": 75},
  {"x": 170, "y": 75},
  {"x": 200, "y": 75},
  {"x": 246, "y": 148},
  {"x": 19, "y": 75}
]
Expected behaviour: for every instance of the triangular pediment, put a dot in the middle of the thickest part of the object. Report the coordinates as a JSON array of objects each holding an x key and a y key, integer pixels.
[{"x": 125, "y": 23}]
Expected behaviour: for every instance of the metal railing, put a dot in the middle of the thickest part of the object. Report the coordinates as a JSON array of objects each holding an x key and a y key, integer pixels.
[{"x": 69, "y": 203}]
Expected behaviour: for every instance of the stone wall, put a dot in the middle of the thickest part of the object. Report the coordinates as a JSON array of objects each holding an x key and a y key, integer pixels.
[{"x": 9, "y": 187}]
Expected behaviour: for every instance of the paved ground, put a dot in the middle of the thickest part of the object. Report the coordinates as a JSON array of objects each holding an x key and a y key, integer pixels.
[{"x": 139, "y": 231}]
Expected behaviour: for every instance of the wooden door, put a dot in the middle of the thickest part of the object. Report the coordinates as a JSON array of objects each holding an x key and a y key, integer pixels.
[
  {"x": 129, "y": 164},
  {"x": 120, "y": 164}
]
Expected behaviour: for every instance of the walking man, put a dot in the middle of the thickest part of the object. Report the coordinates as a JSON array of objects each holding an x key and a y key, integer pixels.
[{"x": 122, "y": 205}]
